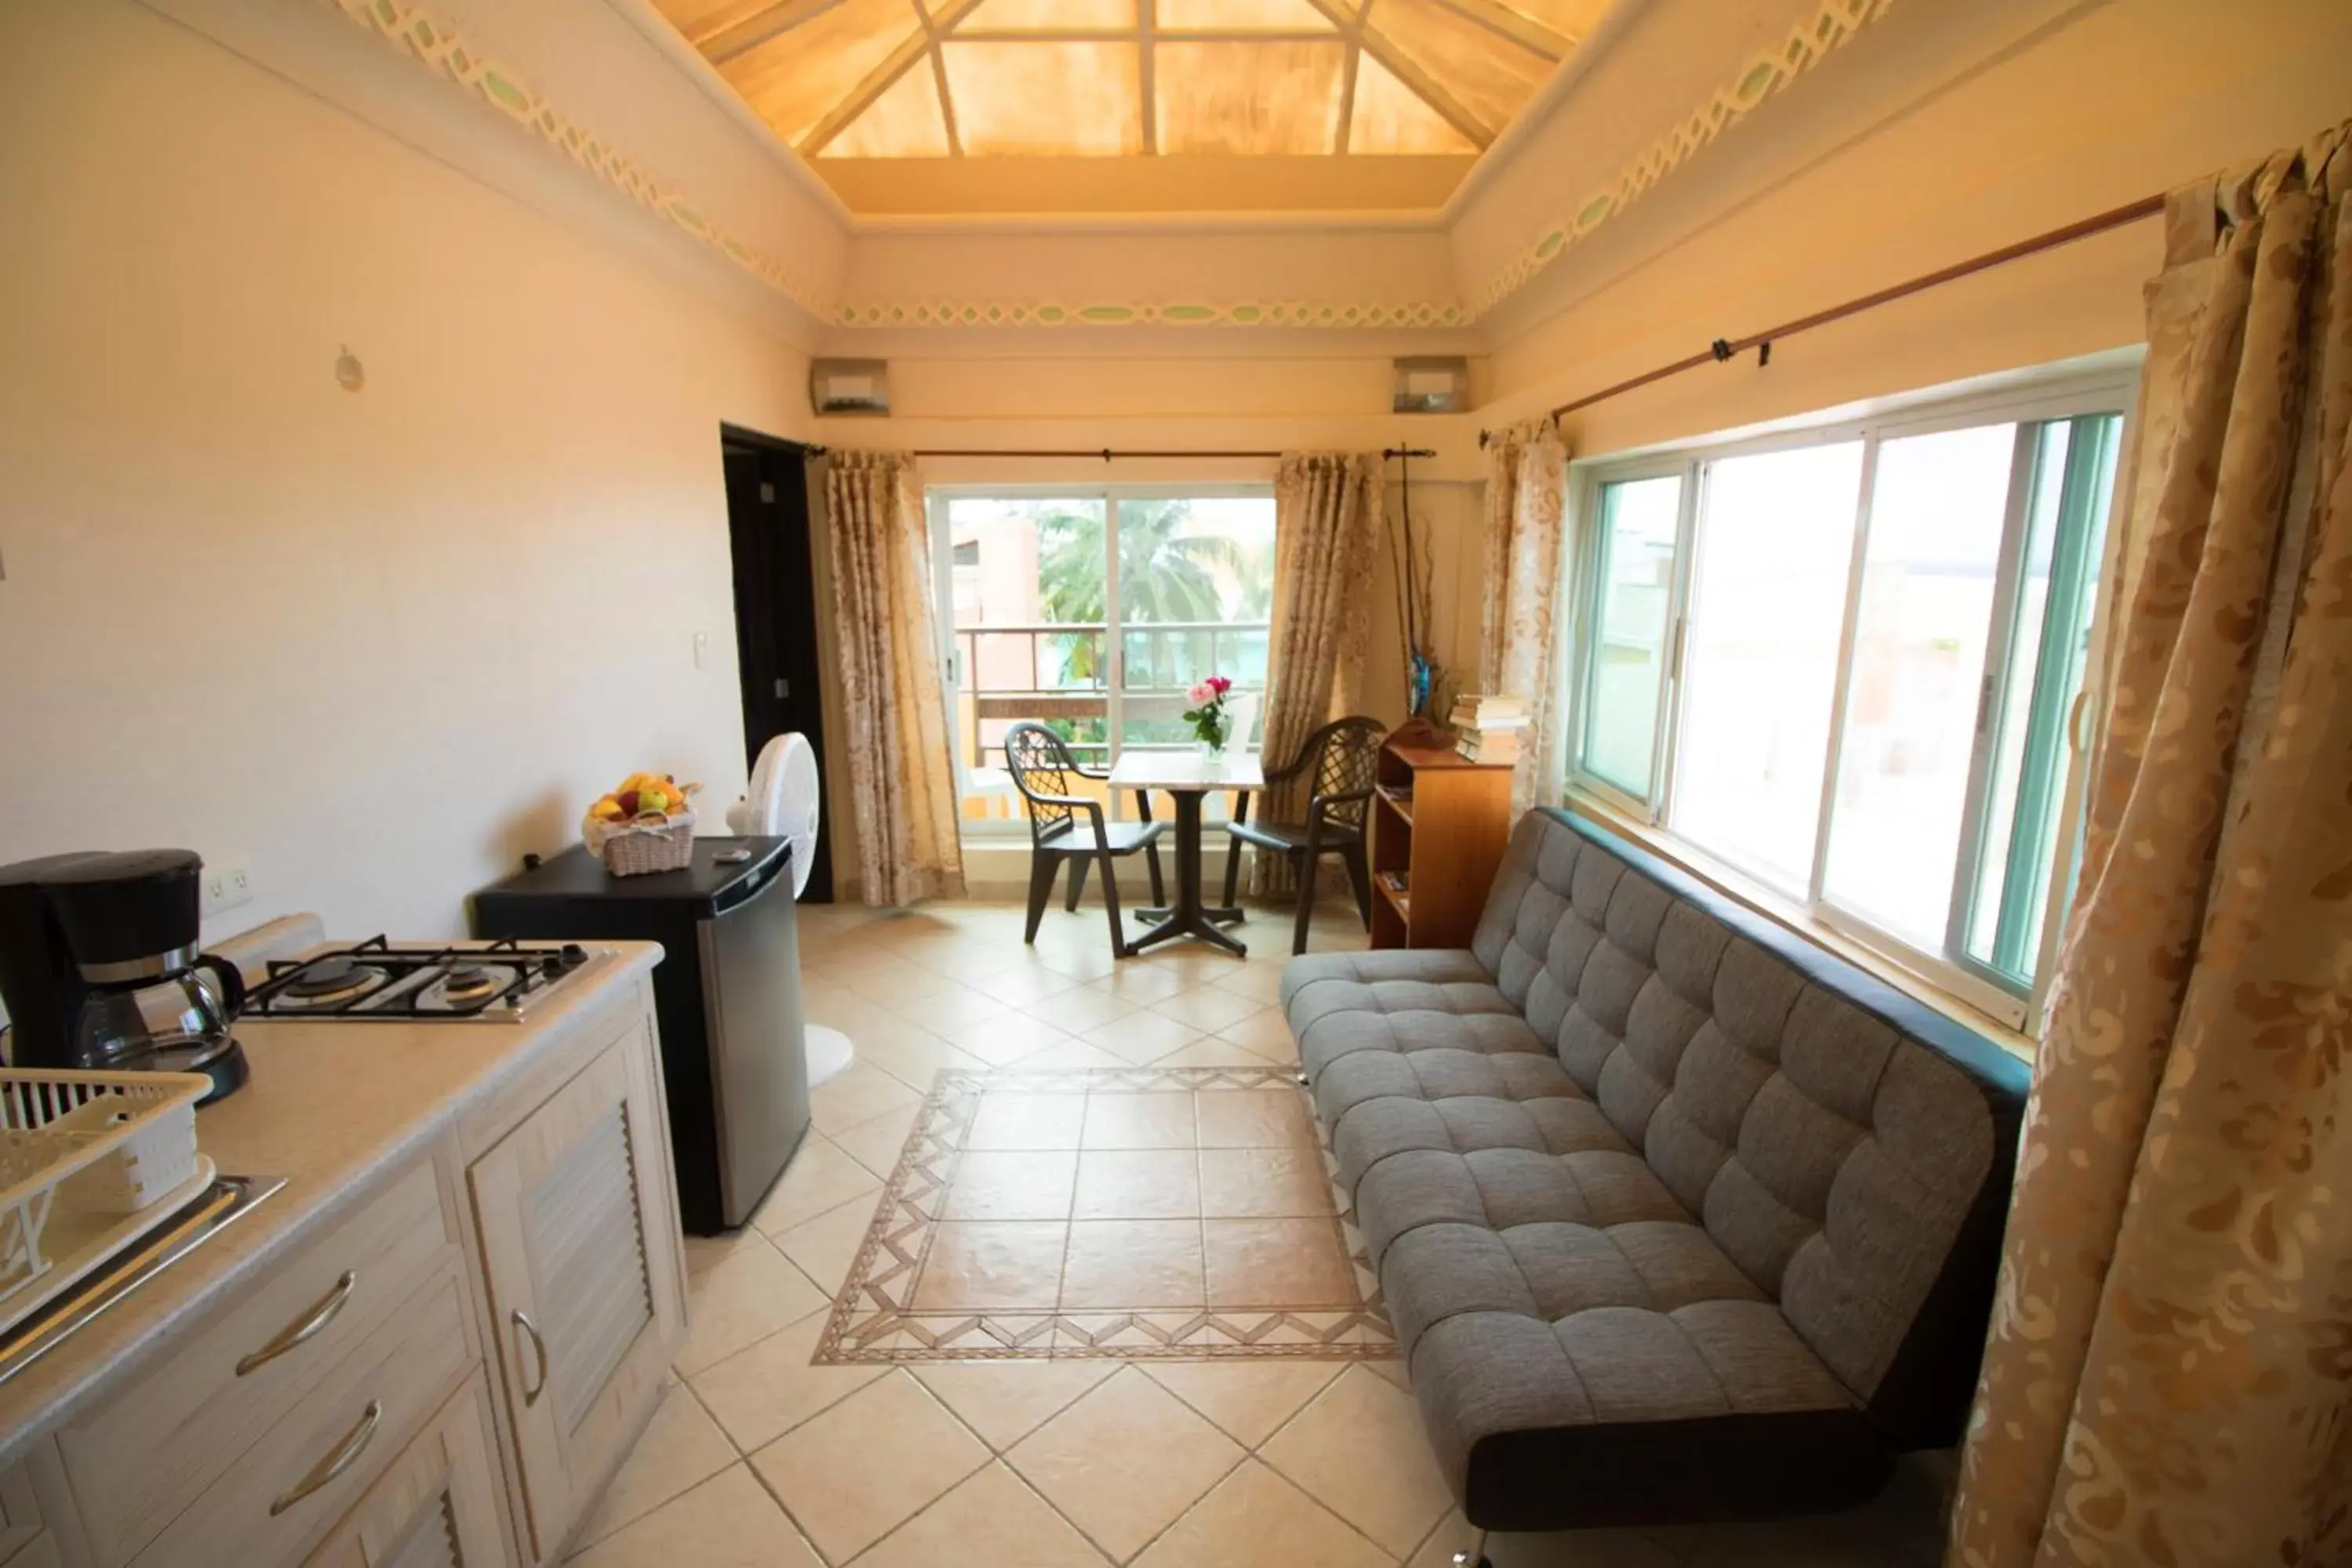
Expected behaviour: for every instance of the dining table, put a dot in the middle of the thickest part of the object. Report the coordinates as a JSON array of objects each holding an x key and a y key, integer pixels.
[{"x": 1189, "y": 777}]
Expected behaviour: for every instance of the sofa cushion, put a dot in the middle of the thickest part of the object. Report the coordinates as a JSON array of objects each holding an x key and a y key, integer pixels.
[
  {"x": 1398, "y": 1001},
  {"x": 1564, "y": 1123},
  {"x": 1622, "y": 1415},
  {"x": 1436, "y": 966}
]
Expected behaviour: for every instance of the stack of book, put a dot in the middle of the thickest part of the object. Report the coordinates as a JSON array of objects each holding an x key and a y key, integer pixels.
[{"x": 1488, "y": 728}]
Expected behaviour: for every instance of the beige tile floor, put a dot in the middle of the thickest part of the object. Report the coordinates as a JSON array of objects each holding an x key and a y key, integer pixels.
[{"x": 760, "y": 1459}]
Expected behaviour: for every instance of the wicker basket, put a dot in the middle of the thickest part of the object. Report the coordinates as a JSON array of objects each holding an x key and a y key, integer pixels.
[{"x": 652, "y": 843}]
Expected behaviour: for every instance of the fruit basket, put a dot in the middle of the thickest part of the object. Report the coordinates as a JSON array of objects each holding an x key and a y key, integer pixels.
[
  {"x": 647, "y": 824},
  {"x": 79, "y": 1151}
]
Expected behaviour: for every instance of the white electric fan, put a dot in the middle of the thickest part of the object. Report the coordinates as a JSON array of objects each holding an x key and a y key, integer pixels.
[{"x": 783, "y": 803}]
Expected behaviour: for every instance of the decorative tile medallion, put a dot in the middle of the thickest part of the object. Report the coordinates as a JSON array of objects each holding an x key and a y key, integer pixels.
[{"x": 1144, "y": 1213}]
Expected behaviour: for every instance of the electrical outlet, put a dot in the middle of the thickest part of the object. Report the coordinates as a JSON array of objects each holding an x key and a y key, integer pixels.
[
  {"x": 701, "y": 649},
  {"x": 227, "y": 884}
]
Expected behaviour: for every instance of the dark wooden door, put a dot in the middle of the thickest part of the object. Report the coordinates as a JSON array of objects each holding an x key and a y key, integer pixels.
[{"x": 776, "y": 610}]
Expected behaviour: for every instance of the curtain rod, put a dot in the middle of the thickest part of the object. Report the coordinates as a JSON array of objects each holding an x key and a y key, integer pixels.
[
  {"x": 1723, "y": 350},
  {"x": 1107, "y": 453}
]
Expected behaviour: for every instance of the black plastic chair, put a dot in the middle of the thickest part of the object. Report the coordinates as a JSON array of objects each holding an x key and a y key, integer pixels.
[
  {"x": 1340, "y": 758},
  {"x": 1142, "y": 814},
  {"x": 1043, "y": 771}
]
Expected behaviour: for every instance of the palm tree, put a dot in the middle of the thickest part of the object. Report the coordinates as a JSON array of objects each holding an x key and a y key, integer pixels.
[{"x": 1164, "y": 574}]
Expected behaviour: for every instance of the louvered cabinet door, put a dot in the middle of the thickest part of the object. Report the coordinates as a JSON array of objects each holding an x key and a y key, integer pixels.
[
  {"x": 574, "y": 1236},
  {"x": 436, "y": 1506}
]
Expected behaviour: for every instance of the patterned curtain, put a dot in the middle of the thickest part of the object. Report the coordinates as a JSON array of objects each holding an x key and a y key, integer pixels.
[
  {"x": 2168, "y": 1376},
  {"x": 894, "y": 706},
  {"x": 1327, "y": 515},
  {"x": 1527, "y": 475}
]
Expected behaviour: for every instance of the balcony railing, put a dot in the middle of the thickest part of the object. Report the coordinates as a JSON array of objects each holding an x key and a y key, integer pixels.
[{"x": 1161, "y": 660}]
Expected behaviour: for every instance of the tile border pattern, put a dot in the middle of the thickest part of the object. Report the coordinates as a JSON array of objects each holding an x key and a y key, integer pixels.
[
  {"x": 433, "y": 42},
  {"x": 873, "y": 1322}
]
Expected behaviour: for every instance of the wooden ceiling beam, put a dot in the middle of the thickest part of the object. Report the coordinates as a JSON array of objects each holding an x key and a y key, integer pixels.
[
  {"x": 947, "y": 100},
  {"x": 1524, "y": 31},
  {"x": 1423, "y": 85},
  {"x": 1134, "y": 36},
  {"x": 1147, "y": 79},
  {"x": 741, "y": 38},
  {"x": 1347, "y": 97},
  {"x": 1427, "y": 87},
  {"x": 879, "y": 81}
]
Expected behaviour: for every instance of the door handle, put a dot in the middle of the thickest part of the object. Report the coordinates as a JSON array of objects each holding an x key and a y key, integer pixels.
[
  {"x": 337, "y": 1460},
  {"x": 313, "y": 1323},
  {"x": 539, "y": 1350},
  {"x": 784, "y": 686}
]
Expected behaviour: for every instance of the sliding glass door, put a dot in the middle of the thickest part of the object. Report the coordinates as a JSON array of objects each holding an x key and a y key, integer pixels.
[
  {"x": 1848, "y": 663},
  {"x": 1093, "y": 612}
]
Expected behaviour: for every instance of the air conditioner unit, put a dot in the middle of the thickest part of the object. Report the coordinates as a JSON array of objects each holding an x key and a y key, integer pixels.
[
  {"x": 1432, "y": 384},
  {"x": 860, "y": 387}
]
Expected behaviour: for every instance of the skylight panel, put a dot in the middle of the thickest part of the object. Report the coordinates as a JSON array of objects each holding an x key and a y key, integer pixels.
[
  {"x": 1389, "y": 119},
  {"x": 1042, "y": 99},
  {"x": 797, "y": 78},
  {"x": 1248, "y": 98},
  {"x": 904, "y": 122}
]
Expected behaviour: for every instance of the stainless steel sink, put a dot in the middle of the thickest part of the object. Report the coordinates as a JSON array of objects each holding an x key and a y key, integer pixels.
[{"x": 195, "y": 1223}]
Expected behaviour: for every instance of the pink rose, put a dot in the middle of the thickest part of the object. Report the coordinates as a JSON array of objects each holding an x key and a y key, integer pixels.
[{"x": 1199, "y": 694}]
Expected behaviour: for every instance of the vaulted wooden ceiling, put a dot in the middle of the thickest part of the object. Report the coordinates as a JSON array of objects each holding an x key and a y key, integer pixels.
[{"x": 932, "y": 79}]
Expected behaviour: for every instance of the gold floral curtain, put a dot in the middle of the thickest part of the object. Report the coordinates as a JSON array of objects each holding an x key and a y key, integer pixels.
[
  {"x": 2168, "y": 1376},
  {"x": 1527, "y": 476},
  {"x": 1327, "y": 512},
  {"x": 894, "y": 707}
]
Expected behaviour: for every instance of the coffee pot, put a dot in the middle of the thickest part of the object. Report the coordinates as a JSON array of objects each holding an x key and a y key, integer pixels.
[{"x": 98, "y": 968}]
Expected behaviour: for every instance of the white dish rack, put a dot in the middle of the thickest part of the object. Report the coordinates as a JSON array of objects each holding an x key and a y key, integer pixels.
[{"x": 84, "y": 1156}]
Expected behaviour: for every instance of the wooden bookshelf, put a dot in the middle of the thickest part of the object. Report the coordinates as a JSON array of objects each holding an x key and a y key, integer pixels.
[{"x": 1440, "y": 823}]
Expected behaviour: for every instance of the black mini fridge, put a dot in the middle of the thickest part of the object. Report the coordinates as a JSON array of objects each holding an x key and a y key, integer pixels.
[{"x": 727, "y": 993}]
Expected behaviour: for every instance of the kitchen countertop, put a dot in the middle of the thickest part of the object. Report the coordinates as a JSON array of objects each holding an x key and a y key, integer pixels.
[{"x": 332, "y": 1109}]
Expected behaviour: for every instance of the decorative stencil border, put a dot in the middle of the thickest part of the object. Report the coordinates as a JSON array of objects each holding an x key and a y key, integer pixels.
[
  {"x": 433, "y": 42},
  {"x": 1245, "y": 313},
  {"x": 873, "y": 1321}
]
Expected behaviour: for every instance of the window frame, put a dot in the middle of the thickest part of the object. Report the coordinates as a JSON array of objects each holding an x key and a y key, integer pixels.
[
  {"x": 936, "y": 500},
  {"x": 1590, "y": 554},
  {"x": 2076, "y": 393}
]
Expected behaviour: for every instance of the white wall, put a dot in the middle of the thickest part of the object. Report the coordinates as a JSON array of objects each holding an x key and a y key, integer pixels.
[
  {"x": 377, "y": 644},
  {"x": 1940, "y": 133}
]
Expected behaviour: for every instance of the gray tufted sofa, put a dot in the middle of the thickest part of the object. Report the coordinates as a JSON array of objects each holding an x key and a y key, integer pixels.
[{"x": 1678, "y": 1216}]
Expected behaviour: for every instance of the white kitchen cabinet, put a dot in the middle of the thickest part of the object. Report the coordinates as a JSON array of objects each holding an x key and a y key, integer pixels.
[
  {"x": 294, "y": 1486},
  {"x": 436, "y": 1506},
  {"x": 579, "y": 1251},
  {"x": 170, "y": 1440},
  {"x": 443, "y": 1369},
  {"x": 26, "y": 1537}
]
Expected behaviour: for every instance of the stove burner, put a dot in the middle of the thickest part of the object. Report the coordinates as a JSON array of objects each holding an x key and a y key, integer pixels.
[
  {"x": 373, "y": 980},
  {"x": 333, "y": 976},
  {"x": 467, "y": 982}
]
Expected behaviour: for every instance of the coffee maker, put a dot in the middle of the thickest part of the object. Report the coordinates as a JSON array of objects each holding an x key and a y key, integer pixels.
[{"x": 98, "y": 968}]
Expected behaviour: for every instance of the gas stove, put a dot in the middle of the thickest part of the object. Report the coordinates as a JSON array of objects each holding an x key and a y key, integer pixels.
[{"x": 374, "y": 982}]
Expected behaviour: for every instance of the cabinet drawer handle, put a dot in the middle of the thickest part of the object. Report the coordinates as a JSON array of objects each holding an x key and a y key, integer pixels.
[
  {"x": 341, "y": 1457},
  {"x": 539, "y": 1349},
  {"x": 309, "y": 1328}
]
